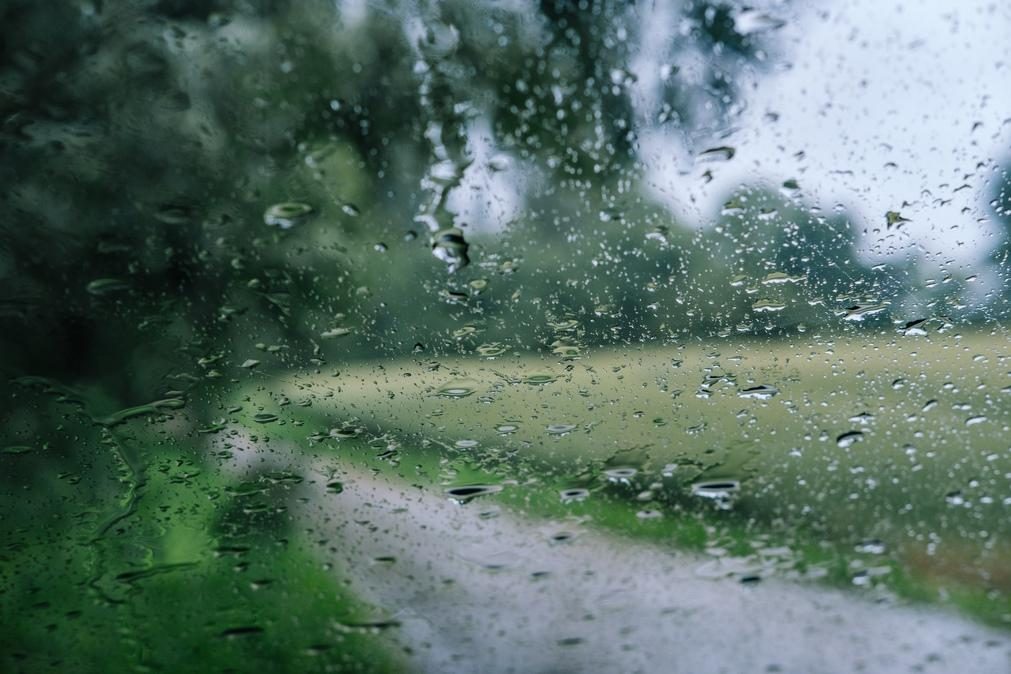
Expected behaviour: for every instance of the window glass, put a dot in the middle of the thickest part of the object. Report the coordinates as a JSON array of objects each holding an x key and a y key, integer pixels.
[{"x": 513, "y": 335}]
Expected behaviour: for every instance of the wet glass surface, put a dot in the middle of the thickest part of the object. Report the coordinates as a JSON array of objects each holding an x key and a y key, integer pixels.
[{"x": 508, "y": 336}]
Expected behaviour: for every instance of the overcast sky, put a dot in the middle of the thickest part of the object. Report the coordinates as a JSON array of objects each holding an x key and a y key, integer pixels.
[
  {"x": 871, "y": 106},
  {"x": 889, "y": 103}
]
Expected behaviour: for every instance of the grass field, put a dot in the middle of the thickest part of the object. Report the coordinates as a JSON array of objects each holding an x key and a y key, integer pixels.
[
  {"x": 916, "y": 501},
  {"x": 162, "y": 522}
]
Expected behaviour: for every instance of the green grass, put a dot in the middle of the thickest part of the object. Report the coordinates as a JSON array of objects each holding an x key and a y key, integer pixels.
[
  {"x": 799, "y": 488},
  {"x": 169, "y": 524},
  {"x": 189, "y": 576}
]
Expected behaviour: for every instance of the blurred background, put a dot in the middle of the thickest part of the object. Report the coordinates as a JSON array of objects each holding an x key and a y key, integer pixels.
[{"x": 202, "y": 199}]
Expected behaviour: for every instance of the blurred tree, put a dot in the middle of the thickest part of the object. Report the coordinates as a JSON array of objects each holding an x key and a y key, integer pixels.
[{"x": 142, "y": 143}]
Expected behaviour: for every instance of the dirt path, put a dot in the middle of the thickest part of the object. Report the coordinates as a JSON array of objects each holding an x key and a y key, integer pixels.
[{"x": 476, "y": 589}]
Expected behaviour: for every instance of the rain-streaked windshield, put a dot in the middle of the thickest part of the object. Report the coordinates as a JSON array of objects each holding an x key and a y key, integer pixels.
[{"x": 505, "y": 336}]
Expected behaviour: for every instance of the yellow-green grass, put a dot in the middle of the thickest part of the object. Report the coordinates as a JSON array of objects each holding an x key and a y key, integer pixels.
[{"x": 925, "y": 484}]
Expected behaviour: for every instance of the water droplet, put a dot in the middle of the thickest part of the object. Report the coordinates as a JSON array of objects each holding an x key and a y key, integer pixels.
[
  {"x": 156, "y": 407},
  {"x": 467, "y": 493},
  {"x": 287, "y": 214},
  {"x": 914, "y": 328},
  {"x": 345, "y": 431},
  {"x": 661, "y": 235},
  {"x": 284, "y": 477},
  {"x": 574, "y": 495},
  {"x": 106, "y": 286},
  {"x": 16, "y": 449},
  {"x": 499, "y": 162},
  {"x": 333, "y": 333},
  {"x": 750, "y": 21},
  {"x": 366, "y": 626},
  {"x": 733, "y": 206},
  {"x": 864, "y": 418},
  {"x": 465, "y": 331},
  {"x": 766, "y": 306},
  {"x": 450, "y": 247},
  {"x": 859, "y": 312},
  {"x": 456, "y": 389},
  {"x": 566, "y": 349},
  {"x": 720, "y": 153},
  {"x": 241, "y": 489},
  {"x": 492, "y": 350},
  {"x": 243, "y": 631},
  {"x": 539, "y": 379},
  {"x": 621, "y": 474},
  {"x": 762, "y": 392},
  {"x": 871, "y": 547},
  {"x": 560, "y": 429},
  {"x": 849, "y": 438},
  {"x": 894, "y": 219},
  {"x": 790, "y": 188},
  {"x": 561, "y": 537},
  {"x": 780, "y": 278},
  {"x": 174, "y": 214},
  {"x": 721, "y": 492},
  {"x": 151, "y": 571},
  {"x": 264, "y": 418}
]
